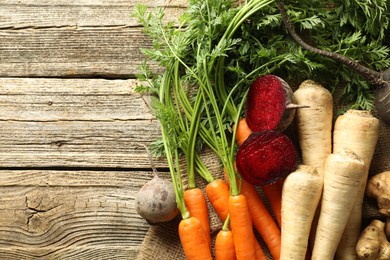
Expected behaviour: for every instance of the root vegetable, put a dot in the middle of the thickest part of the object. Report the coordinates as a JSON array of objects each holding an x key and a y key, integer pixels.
[
  {"x": 224, "y": 245},
  {"x": 343, "y": 176},
  {"x": 267, "y": 104},
  {"x": 373, "y": 244},
  {"x": 314, "y": 124},
  {"x": 196, "y": 204},
  {"x": 314, "y": 128},
  {"x": 265, "y": 157},
  {"x": 193, "y": 239},
  {"x": 241, "y": 226},
  {"x": 300, "y": 197},
  {"x": 243, "y": 131},
  {"x": 378, "y": 187},
  {"x": 358, "y": 131},
  {"x": 262, "y": 219},
  {"x": 218, "y": 194},
  {"x": 156, "y": 201}
]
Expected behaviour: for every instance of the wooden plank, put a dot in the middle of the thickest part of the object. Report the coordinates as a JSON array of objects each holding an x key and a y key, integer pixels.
[
  {"x": 72, "y": 52},
  {"x": 74, "y": 122},
  {"x": 68, "y": 214},
  {"x": 84, "y": 39},
  {"x": 82, "y": 13},
  {"x": 39, "y": 99}
]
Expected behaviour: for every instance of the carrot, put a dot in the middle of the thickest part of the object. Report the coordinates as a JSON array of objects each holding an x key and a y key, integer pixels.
[
  {"x": 224, "y": 246},
  {"x": 300, "y": 198},
  {"x": 218, "y": 194},
  {"x": 243, "y": 131},
  {"x": 194, "y": 240},
  {"x": 196, "y": 204},
  {"x": 358, "y": 131},
  {"x": 342, "y": 180},
  {"x": 224, "y": 243},
  {"x": 273, "y": 192},
  {"x": 314, "y": 124},
  {"x": 262, "y": 219},
  {"x": 241, "y": 226}
]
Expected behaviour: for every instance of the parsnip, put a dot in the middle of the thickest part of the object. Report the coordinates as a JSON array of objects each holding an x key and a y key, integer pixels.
[
  {"x": 358, "y": 131},
  {"x": 300, "y": 197},
  {"x": 342, "y": 180},
  {"x": 314, "y": 128},
  {"x": 314, "y": 123}
]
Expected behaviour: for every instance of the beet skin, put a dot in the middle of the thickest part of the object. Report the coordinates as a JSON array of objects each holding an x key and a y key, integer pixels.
[{"x": 265, "y": 157}]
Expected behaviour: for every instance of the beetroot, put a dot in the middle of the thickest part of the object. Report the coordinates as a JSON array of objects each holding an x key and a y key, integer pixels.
[
  {"x": 265, "y": 157},
  {"x": 267, "y": 104}
]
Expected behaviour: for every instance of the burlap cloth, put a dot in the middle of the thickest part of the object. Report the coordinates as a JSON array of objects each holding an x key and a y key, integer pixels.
[{"x": 162, "y": 241}]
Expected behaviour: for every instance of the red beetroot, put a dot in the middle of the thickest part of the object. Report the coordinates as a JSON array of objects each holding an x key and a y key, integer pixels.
[
  {"x": 265, "y": 157},
  {"x": 267, "y": 104}
]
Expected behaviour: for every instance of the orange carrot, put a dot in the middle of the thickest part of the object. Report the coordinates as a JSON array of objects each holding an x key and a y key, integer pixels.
[
  {"x": 241, "y": 225},
  {"x": 218, "y": 194},
  {"x": 273, "y": 192},
  {"x": 224, "y": 245},
  {"x": 194, "y": 240},
  {"x": 243, "y": 131},
  {"x": 196, "y": 204},
  {"x": 262, "y": 219}
]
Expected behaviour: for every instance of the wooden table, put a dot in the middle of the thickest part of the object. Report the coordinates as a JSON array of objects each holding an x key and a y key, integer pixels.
[{"x": 72, "y": 128}]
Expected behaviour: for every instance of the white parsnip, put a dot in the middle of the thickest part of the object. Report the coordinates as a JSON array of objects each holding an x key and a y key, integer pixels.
[
  {"x": 343, "y": 175},
  {"x": 358, "y": 131},
  {"x": 314, "y": 128},
  {"x": 314, "y": 123},
  {"x": 300, "y": 197}
]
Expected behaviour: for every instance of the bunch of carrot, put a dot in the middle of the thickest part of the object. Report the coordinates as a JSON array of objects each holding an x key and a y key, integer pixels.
[{"x": 188, "y": 118}]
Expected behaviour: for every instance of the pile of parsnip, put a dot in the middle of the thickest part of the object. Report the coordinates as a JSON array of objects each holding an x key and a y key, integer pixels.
[{"x": 322, "y": 199}]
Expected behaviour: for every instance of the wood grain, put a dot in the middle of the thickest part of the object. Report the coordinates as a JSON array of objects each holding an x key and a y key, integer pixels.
[
  {"x": 72, "y": 52},
  {"x": 70, "y": 214},
  {"x": 84, "y": 39},
  {"x": 74, "y": 123},
  {"x": 71, "y": 126},
  {"x": 83, "y": 13}
]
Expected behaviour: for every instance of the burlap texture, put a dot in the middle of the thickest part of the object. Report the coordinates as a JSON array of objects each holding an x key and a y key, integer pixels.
[{"x": 162, "y": 241}]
